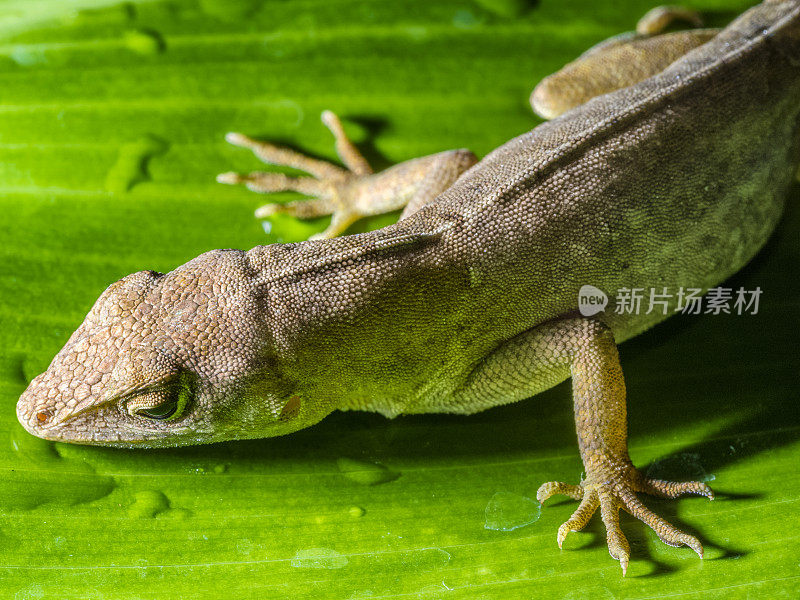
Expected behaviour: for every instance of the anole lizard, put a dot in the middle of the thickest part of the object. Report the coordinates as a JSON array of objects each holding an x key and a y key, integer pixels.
[{"x": 469, "y": 301}]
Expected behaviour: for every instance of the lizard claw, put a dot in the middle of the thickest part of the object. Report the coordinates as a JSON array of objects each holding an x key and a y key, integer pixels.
[
  {"x": 612, "y": 489},
  {"x": 346, "y": 194},
  {"x": 623, "y": 562},
  {"x": 333, "y": 190}
]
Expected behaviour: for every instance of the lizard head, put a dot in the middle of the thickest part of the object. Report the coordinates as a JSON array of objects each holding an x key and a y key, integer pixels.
[{"x": 167, "y": 360}]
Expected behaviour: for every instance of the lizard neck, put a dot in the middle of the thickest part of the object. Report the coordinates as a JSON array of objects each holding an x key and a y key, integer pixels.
[{"x": 357, "y": 319}]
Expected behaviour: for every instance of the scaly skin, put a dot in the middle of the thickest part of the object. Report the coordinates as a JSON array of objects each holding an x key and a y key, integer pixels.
[{"x": 470, "y": 300}]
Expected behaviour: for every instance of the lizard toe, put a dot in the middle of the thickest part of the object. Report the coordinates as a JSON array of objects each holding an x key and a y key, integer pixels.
[
  {"x": 666, "y": 532},
  {"x": 618, "y": 545},
  {"x": 553, "y": 488},
  {"x": 581, "y": 516},
  {"x": 613, "y": 487},
  {"x": 673, "y": 489}
]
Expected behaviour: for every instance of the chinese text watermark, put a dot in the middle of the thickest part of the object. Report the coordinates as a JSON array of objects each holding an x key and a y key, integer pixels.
[{"x": 688, "y": 301}]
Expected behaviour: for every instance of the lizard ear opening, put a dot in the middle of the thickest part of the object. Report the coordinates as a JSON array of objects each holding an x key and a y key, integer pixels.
[{"x": 291, "y": 409}]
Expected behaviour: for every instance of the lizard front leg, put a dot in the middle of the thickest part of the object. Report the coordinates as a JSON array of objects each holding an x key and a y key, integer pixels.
[
  {"x": 352, "y": 193},
  {"x": 585, "y": 349}
]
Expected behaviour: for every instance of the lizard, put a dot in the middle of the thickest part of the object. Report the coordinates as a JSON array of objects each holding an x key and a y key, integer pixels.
[{"x": 667, "y": 175}]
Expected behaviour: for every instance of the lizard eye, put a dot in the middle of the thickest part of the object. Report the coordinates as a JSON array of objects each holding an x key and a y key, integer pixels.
[
  {"x": 161, "y": 405},
  {"x": 161, "y": 412}
]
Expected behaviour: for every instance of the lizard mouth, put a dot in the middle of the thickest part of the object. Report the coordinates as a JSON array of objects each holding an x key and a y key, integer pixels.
[
  {"x": 41, "y": 415},
  {"x": 89, "y": 428}
]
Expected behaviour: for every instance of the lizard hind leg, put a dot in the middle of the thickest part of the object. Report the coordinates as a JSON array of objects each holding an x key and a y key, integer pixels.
[
  {"x": 620, "y": 61},
  {"x": 347, "y": 194},
  {"x": 585, "y": 349}
]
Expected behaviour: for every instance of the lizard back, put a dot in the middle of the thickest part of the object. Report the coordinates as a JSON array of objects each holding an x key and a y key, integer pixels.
[{"x": 674, "y": 182}]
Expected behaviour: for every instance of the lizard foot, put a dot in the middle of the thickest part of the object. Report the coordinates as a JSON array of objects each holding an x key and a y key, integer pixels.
[
  {"x": 659, "y": 18},
  {"x": 331, "y": 186},
  {"x": 611, "y": 489}
]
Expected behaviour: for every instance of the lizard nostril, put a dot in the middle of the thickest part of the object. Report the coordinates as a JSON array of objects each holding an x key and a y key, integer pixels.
[{"x": 43, "y": 417}]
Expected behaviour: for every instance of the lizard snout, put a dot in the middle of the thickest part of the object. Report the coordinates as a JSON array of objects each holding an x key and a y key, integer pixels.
[{"x": 33, "y": 411}]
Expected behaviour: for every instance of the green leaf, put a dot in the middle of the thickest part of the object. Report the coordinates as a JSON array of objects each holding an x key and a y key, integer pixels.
[{"x": 111, "y": 132}]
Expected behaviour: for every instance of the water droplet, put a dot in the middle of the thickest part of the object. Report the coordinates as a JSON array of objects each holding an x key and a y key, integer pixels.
[
  {"x": 228, "y": 10},
  {"x": 434, "y": 592},
  {"x": 506, "y": 8},
  {"x": 33, "y": 365},
  {"x": 244, "y": 546},
  {"x": 43, "y": 476},
  {"x": 364, "y": 472},
  {"x": 290, "y": 113},
  {"x": 598, "y": 594},
  {"x": 417, "y": 32},
  {"x": 464, "y": 19},
  {"x": 29, "y": 56},
  {"x": 220, "y": 468},
  {"x": 179, "y": 514},
  {"x": 118, "y": 13},
  {"x": 318, "y": 558},
  {"x": 507, "y": 511},
  {"x": 33, "y": 592},
  {"x": 132, "y": 162},
  {"x": 148, "y": 503},
  {"x": 144, "y": 41},
  {"x": 13, "y": 368},
  {"x": 437, "y": 555},
  {"x": 356, "y": 511},
  {"x": 361, "y": 594},
  {"x": 684, "y": 466}
]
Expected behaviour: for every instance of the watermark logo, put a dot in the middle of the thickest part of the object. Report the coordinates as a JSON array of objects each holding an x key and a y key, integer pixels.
[
  {"x": 591, "y": 300},
  {"x": 687, "y": 301}
]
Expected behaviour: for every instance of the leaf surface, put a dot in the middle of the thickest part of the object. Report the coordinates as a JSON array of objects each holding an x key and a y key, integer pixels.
[{"x": 112, "y": 119}]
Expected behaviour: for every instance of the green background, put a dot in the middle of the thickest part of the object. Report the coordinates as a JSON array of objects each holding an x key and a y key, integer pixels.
[{"x": 112, "y": 119}]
